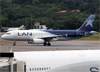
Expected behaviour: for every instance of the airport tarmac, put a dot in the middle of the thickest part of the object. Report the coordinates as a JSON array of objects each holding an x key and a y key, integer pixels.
[
  {"x": 6, "y": 46},
  {"x": 58, "y": 45}
]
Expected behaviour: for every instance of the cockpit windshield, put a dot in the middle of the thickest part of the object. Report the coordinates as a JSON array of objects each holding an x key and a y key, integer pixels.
[{"x": 8, "y": 33}]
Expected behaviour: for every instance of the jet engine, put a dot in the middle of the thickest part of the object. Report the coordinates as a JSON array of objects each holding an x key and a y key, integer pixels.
[
  {"x": 37, "y": 41},
  {"x": 93, "y": 32},
  {"x": 90, "y": 33}
]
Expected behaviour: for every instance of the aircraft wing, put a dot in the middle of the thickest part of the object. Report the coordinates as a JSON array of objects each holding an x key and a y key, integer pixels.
[{"x": 50, "y": 37}]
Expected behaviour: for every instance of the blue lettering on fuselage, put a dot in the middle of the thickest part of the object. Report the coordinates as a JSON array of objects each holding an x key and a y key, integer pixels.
[
  {"x": 94, "y": 69},
  {"x": 25, "y": 34}
]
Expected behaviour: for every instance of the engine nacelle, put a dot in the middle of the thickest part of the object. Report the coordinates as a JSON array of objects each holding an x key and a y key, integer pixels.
[
  {"x": 90, "y": 33},
  {"x": 93, "y": 32},
  {"x": 37, "y": 41}
]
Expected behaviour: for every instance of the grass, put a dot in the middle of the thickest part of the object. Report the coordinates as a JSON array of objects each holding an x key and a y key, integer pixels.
[{"x": 93, "y": 37}]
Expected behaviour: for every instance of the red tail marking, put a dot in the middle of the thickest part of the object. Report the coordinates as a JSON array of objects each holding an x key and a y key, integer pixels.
[{"x": 86, "y": 28}]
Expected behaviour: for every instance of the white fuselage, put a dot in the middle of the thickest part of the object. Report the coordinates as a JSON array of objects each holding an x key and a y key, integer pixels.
[
  {"x": 26, "y": 35},
  {"x": 48, "y": 60}
]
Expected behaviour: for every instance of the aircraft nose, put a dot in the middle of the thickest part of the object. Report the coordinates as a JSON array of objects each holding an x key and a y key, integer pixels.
[{"x": 3, "y": 37}]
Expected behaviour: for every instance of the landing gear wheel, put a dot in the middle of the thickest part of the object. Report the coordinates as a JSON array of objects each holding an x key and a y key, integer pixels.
[
  {"x": 49, "y": 44},
  {"x": 14, "y": 44},
  {"x": 45, "y": 43}
]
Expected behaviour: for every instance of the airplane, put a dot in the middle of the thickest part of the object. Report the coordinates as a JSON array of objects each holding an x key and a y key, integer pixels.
[
  {"x": 19, "y": 28},
  {"x": 60, "y": 61},
  {"x": 46, "y": 36}
]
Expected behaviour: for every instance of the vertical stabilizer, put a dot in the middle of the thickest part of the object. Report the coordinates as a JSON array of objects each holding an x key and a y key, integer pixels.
[{"x": 88, "y": 24}]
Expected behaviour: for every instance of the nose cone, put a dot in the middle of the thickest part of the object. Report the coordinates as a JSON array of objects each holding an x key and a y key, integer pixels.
[{"x": 3, "y": 37}]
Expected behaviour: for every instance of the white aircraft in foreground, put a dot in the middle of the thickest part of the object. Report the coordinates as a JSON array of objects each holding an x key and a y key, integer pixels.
[
  {"x": 45, "y": 36},
  {"x": 61, "y": 61}
]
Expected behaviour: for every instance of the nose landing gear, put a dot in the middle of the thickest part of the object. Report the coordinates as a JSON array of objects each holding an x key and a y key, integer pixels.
[{"x": 14, "y": 44}]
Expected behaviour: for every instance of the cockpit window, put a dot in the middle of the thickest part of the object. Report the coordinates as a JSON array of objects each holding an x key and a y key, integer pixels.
[{"x": 8, "y": 33}]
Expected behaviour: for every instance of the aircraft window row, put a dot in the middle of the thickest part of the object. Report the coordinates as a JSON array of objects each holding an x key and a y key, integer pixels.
[
  {"x": 40, "y": 69},
  {"x": 39, "y": 33}
]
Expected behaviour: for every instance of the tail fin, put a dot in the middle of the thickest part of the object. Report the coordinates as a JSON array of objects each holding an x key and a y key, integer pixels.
[{"x": 88, "y": 24}]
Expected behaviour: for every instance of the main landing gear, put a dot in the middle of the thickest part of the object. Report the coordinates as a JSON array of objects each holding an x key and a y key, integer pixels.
[
  {"x": 14, "y": 44},
  {"x": 47, "y": 44}
]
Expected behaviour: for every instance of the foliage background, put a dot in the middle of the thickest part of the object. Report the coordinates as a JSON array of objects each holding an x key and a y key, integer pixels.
[{"x": 14, "y": 13}]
